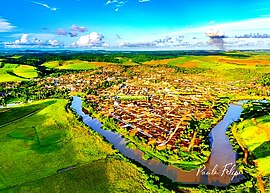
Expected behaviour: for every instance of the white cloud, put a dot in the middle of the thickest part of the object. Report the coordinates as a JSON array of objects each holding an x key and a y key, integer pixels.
[
  {"x": 61, "y": 32},
  {"x": 167, "y": 41},
  {"x": 78, "y": 28},
  {"x": 72, "y": 32},
  {"x": 105, "y": 44},
  {"x": 43, "y": 36},
  {"x": 24, "y": 38},
  {"x": 5, "y": 26},
  {"x": 93, "y": 39},
  {"x": 26, "y": 41},
  {"x": 45, "y": 5},
  {"x": 143, "y": 1},
  {"x": 108, "y": 2},
  {"x": 116, "y": 4},
  {"x": 53, "y": 42}
]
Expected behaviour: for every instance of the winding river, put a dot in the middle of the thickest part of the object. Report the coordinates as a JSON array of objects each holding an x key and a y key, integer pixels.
[{"x": 219, "y": 170}]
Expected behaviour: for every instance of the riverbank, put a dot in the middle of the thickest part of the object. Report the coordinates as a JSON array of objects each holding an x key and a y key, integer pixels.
[
  {"x": 175, "y": 174},
  {"x": 250, "y": 138},
  {"x": 185, "y": 158}
]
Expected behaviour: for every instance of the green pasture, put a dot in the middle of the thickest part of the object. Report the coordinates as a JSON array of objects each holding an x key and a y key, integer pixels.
[
  {"x": 255, "y": 135},
  {"x": 16, "y": 72},
  {"x": 43, "y": 148},
  {"x": 70, "y": 65},
  {"x": 221, "y": 67}
]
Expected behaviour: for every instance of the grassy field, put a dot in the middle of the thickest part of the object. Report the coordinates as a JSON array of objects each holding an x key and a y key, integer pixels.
[
  {"x": 227, "y": 67},
  {"x": 16, "y": 72},
  {"x": 109, "y": 175},
  {"x": 37, "y": 147},
  {"x": 255, "y": 136},
  {"x": 219, "y": 62},
  {"x": 124, "y": 61},
  {"x": 73, "y": 65},
  {"x": 26, "y": 71}
]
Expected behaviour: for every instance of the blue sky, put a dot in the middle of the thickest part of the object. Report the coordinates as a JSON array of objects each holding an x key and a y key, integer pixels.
[{"x": 135, "y": 24}]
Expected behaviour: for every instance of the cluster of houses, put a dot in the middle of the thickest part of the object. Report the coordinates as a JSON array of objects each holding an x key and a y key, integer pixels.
[
  {"x": 155, "y": 114},
  {"x": 153, "y": 103},
  {"x": 83, "y": 81}
]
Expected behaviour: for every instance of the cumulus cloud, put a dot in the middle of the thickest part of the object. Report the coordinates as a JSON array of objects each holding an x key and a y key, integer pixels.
[
  {"x": 26, "y": 41},
  {"x": 61, "y": 32},
  {"x": 54, "y": 43},
  {"x": 5, "y": 26},
  {"x": 105, "y": 44},
  {"x": 45, "y": 5},
  {"x": 143, "y": 1},
  {"x": 93, "y": 39},
  {"x": 216, "y": 38},
  {"x": 72, "y": 32},
  {"x": 78, "y": 28},
  {"x": 215, "y": 33},
  {"x": 217, "y": 42}
]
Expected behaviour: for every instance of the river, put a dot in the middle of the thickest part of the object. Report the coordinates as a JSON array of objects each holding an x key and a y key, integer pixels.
[{"x": 219, "y": 170}]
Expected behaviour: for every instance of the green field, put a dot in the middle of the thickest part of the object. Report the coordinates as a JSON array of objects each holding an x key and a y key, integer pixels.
[
  {"x": 255, "y": 136},
  {"x": 109, "y": 175},
  {"x": 36, "y": 146},
  {"x": 71, "y": 65},
  {"x": 26, "y": 71},
  {"x": 16, "y": 72},
  {"x": 225, "y": 67}
]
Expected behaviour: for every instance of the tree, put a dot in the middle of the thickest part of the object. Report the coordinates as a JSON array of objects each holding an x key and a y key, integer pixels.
[{"x": 194, "y": 126}]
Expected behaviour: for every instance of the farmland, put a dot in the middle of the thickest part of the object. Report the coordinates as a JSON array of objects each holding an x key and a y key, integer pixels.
[
  {"x": 252, "y": 138},
  {"x": 258, "y": 145},
  {"x": 16, "y": 72},
  {"x": 73, "y": 65}
]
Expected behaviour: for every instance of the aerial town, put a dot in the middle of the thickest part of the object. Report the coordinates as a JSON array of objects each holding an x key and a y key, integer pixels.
[
  {"x": 150, "y": 104},
  {"x": 134, "y": 96}
]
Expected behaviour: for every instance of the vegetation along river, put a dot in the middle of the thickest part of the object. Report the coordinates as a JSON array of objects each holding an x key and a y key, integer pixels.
[{"x": 219, "y": 170}]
